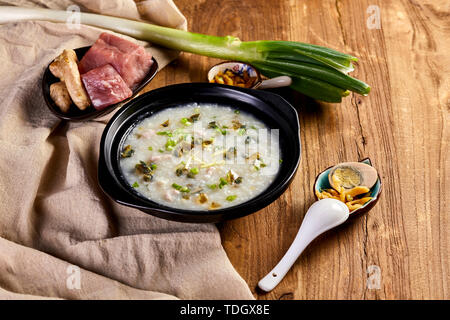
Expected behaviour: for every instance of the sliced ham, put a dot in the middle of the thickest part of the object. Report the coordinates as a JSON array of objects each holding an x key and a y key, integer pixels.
[
  {"x": 130, "y": 60},
  {"x": 105, "y": 86}
]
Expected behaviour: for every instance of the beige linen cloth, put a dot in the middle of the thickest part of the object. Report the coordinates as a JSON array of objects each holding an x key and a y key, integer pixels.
[{"x": 60, "y": 236}]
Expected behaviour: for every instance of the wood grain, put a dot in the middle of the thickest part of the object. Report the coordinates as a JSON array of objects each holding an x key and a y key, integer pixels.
[{"x": 402, "y": 126}]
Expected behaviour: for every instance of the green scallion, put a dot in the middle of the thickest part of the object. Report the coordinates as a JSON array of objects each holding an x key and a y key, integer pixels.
[
  {"x": 180, "y": 188},
  {"x": 185, "y": 189},
  {"x": 170, "y": 144},
  {"x": 165, "y": 133},
  {"x": 223, "y": 182},
  {"x": 186, "y": 122},
  {"x": 176, "y": 186},
  {"x": 316, "y": 71}
]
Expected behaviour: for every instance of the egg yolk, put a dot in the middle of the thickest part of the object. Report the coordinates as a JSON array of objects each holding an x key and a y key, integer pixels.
[{"x": 347, "y": 177}]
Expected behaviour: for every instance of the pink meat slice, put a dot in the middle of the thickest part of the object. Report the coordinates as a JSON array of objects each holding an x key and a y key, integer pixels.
[
  {"x": 105, "y": 86},
  {"x": 130, "y": 60}
]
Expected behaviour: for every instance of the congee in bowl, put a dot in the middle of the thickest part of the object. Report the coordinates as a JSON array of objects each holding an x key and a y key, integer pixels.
[{"x": 200, "y": 156}]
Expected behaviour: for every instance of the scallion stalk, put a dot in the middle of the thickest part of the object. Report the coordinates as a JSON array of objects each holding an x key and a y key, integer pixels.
[
  {"x": 314, "y": 88},
  {"x": 318, "y": 72}
]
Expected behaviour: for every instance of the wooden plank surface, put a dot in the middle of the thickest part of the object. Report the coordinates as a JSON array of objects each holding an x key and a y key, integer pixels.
[{"x": 402, "y": 126}]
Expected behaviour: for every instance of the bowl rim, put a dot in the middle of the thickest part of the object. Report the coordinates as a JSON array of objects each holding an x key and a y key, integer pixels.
[
  {"x": 107, "y": 177},
  {"x": 48, "y": 78}
]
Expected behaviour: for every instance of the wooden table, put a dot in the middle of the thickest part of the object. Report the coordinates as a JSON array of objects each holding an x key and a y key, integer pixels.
[{"x": 402, "y": 126}]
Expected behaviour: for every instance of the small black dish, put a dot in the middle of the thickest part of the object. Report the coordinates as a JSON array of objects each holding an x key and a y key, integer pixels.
[
  {"x": 268, "y": 107},
  {"x": 75, "y": 114}
]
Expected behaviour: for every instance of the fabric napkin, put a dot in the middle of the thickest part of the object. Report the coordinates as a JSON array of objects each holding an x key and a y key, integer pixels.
[{"x": 60, "y": 236}]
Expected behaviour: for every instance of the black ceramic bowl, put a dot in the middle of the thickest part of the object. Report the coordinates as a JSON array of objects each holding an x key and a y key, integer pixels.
[
  {"x": 75, "y": 114},
  {"x": 268, "y": 107}
]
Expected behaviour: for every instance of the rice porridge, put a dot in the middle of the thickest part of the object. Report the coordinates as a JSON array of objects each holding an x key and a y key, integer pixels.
[{"x": 200, "y": 157}]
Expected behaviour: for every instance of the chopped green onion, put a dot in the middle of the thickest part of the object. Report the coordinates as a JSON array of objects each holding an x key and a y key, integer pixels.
[
  {"x": 212, "y": 186},
  {"x": 222, "y": 183},
  {"x": 135, "y": 185},
  {"x": 170, "y": 144},
  {"x": 192, "y": 173},
  {"x": 231, "y": 198},
  {"x": 186, "y": 122},
  {"x": 150, "y": 148},
  {"x": 222, "y": 131},
  {"x": 153, "y": 166},
  {"x": 180, "y": 188},
  {"x": 164, "y": 133},
  {"x": 161, "y": 150},
  {"x": 280, "y": 161},
  {"x": 185, "y": 189},
  {"x": 237, "y": 111},
  {"x": 241, "y": 131},
  {"x": 176, "y": 186}
]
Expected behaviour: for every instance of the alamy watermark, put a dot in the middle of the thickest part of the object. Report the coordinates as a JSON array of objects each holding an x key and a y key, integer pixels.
[
  {"x": 73, "y": 281},
  {"x": 374, "y": 19},
  {"x": 74, "y": 18},
  {"x": 373, "y": 277}
]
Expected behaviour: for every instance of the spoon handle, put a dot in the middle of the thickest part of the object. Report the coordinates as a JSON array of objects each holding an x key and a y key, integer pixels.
[
  {"x": 274, "y": 277},
  {"x": 281, "y": 81}
]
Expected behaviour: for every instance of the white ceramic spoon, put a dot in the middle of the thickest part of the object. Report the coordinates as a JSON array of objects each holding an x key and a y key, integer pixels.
[
  {"x": 322, "y": 216},
  {"x": 277, "y": 82}
]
